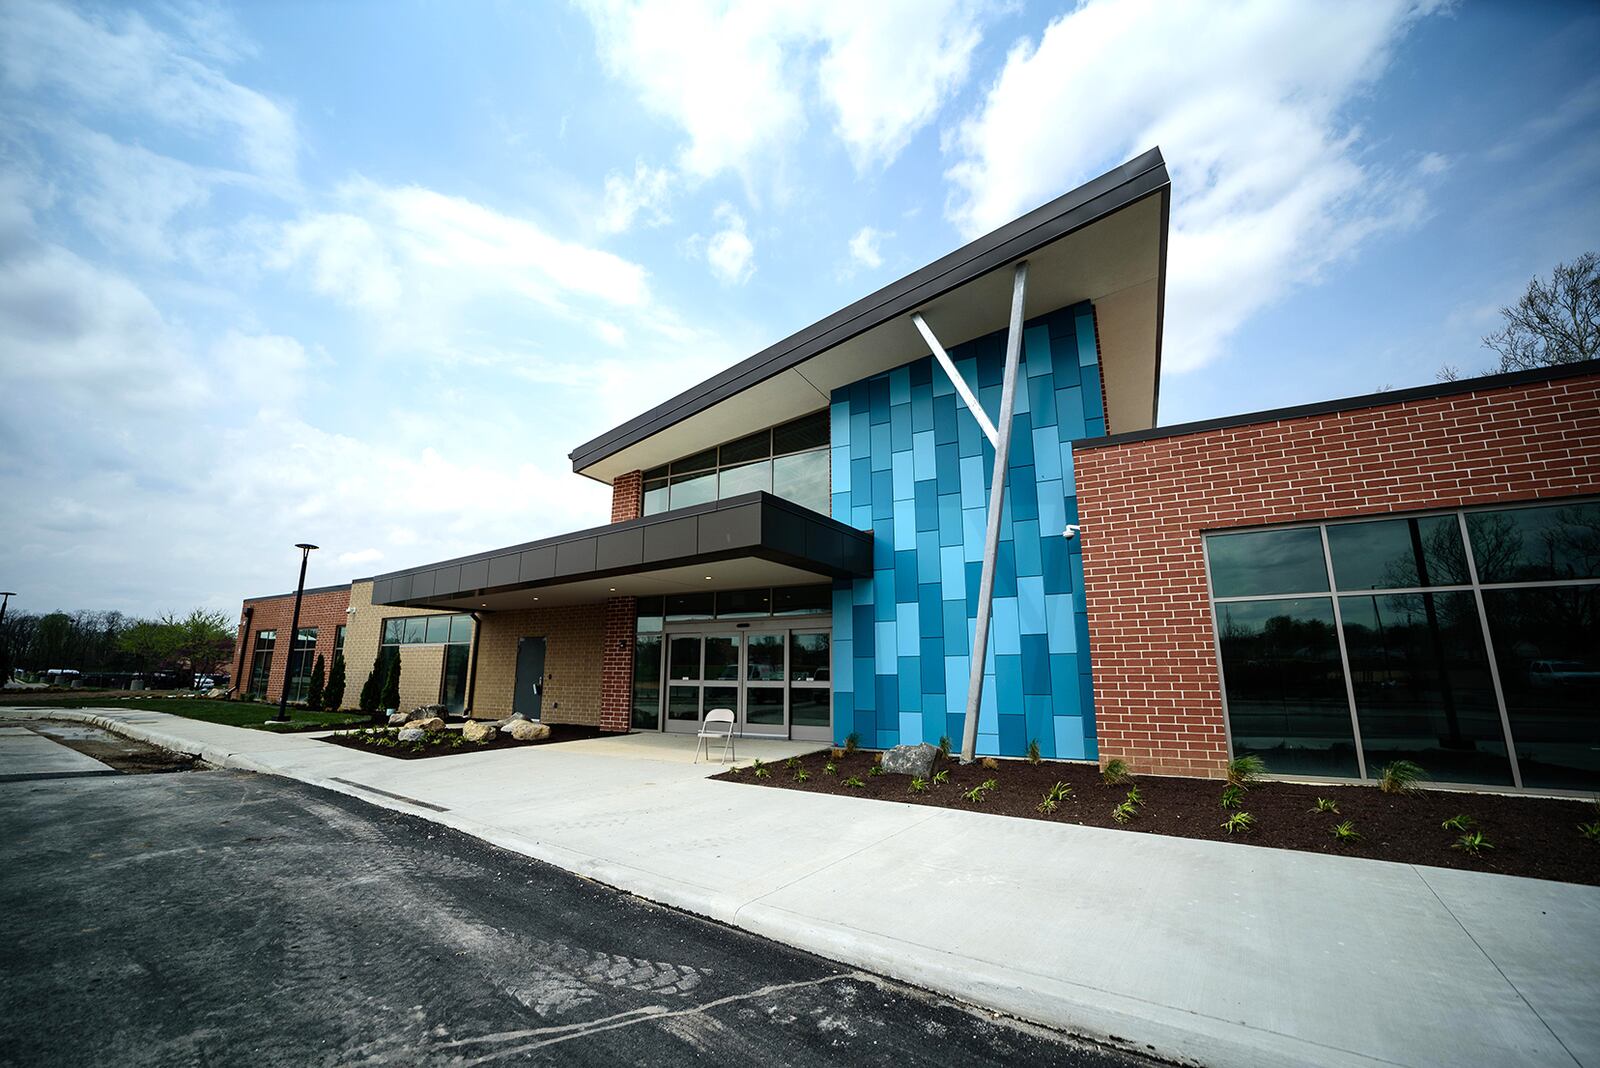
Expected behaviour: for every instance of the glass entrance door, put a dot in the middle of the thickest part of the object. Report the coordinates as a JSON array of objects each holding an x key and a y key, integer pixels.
[{"x": 775, "y": 681}]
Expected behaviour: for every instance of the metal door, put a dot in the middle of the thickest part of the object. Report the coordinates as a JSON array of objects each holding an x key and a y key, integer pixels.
[{"x": 527, "y": 695}]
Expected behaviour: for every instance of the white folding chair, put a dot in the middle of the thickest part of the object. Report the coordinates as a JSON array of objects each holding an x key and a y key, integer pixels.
[{"x": 723, "y": 716}]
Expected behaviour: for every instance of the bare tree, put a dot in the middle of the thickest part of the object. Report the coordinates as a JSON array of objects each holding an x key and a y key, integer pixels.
[{"x": 1555, "y": 322}]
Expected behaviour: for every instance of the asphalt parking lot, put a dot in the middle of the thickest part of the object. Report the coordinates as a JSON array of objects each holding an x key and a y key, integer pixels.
[{"x": 216, "y": 917}]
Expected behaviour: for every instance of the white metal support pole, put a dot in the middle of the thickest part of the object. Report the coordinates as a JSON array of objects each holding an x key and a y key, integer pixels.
[
  {"x": 962, "y": 389},
  {"x": 997, "y": 493}
]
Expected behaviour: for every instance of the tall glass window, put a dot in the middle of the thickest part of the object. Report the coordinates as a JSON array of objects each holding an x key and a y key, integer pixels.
[
  {"x": 454, "y": 632},
  {"x": 301, "y": 659},
  {"x": 1399, "y": 647},
  {"x": 261, "y": 662},
  {"x": 790, "y": 461}
]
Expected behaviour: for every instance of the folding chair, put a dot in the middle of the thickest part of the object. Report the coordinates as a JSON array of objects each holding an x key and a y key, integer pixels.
[{"x": 715, "y": 716}]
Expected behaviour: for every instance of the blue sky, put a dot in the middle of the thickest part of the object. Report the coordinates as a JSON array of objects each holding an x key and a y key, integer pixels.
[{"x": 364, "y": 273}]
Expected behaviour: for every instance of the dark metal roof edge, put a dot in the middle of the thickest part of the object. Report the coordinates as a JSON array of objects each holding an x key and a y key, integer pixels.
[
  {"x": 308, "y": 593},
  {"x": 1138, "y": 178},
  {"x": 1348, "y": 404},
  {"x": 740, "y": 501}
]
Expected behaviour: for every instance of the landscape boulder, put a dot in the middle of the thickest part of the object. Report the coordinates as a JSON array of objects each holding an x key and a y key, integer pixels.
[
  {"x": 476, "y": 731},
  {"x": 428, "y": 712},
  {"x": 914, "y": 760},
  {"x": 527, "y": 731},
  {"x": 410, "y": 734},
  {"x": 432, "y": 724},
  {"x": 397, "y": 719}
]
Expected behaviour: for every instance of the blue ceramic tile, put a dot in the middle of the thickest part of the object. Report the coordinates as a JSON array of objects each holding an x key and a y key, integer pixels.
[
  {"x": 928, "y": 559},
  {"x": 878, "y": 398},
  {"x": 1035, "y": 665},
  {"x": 1086, "y": 348},
  {"x": 1005, "y": 570},
  {"x": 921, "y": 409},
  {"x": 1064, "y": 691},
  {"x": 885, "y": 650},
  {"x": 931, "y": 662},
  {"x": 882, "y": 454},
  {"x": 1026, "y": 539},
  {"x": 1003, "y": 630},
  {"x": 863, "y": 629},
  {"x": 1013, "y": 735},
  {"x": 922, "y": 456},
  {"x": 1024, "y": 495},
  {"x": 1008, "y": 683},
  {"x": 950, "y": 520},
  {"x": 926, "y": 495},
  {"x": 972, "y": 522},
  {"x": 1036, "y": 351},
  {"x": 1060, "y": 625},
  {"x": 1042, "y": 401},
  {"x": 882, "y": 494},
  {"x": 860, "y": 436},
  {"x": 909, "y": 686},
  {"x": 908, "y": 629},
  {"x": 905, "y": 575},
  {"x": 972, "y": 488},
  {"x": 883, "y": 544},
  {"x": 1041, "y": 726},
  {"x": 900, "y": 427},
  {"x": 1046, "y": 454},
  {"x": 1093, "y": 406},
  {"x": 947, "y": 468},
  {"x": 1021, "y": 445},
  {"x": 1069, "y": 412},
  {"x": 900, "y": 386},
  {"x": 883, "y": 596},
  {"x": 955, "y": 627},
  {"x": 840, "y": 469},
  {"x": 1052, "y": 508},
  {"x": 1030, "y": 604},
  {"x": 1069, "y": 738},
  {"x": 866, "y": 684},
  {"x": 955, "y": 682},
  {"x": 944, "y": 418},
  {"x": 843, "y": 659}
]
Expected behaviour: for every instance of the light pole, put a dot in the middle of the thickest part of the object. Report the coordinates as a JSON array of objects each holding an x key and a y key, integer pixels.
[{"x": 294, "y": 633}]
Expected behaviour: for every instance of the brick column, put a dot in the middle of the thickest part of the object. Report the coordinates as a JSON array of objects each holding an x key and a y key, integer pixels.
[
  {"x": 627, "y": 497},
  {"x": 616, "y": 675}
]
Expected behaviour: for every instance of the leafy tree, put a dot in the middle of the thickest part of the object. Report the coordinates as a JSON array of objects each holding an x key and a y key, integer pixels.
[
  {"x": 1554, "y": 322},
  {"x": 205, "y": 640},
  {"x": 333, "y": 696},
  {"x": 372, "y": 689},
  {"x": 391, "y": 684},
  {"x": 152, "y": 642},
  {"x": 314, "y": 693}
]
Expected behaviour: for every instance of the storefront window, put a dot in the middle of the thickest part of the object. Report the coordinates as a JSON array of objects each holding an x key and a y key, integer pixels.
[
  {"x": 1421, "y": 685},
  {"x": 789, "y": 461}
]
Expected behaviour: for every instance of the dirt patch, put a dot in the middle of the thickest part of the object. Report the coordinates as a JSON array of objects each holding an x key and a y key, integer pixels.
[
  {"x": 1530, "y": 836},
  {"x": 385, "y": 741},
  {"x": 124, "y": 754}
]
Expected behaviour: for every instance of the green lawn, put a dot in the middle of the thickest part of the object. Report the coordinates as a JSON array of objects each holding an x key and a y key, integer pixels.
[{"x": 233, "y": 713}]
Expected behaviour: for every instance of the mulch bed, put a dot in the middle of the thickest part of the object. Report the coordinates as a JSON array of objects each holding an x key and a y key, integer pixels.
[
  {"x": 1531, "y": 836},
  {"x": 438, "y": 744}
]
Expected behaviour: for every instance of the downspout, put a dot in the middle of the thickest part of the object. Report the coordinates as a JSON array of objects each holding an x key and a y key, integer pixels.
[
  {"x": 472, "y": 666},
  {"x": 244, "y": 646}
]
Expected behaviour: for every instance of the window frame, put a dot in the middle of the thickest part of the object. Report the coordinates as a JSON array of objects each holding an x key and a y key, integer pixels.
[
  {"x": 1333, "y": 591},
  {"x": 663, "y": 478}
]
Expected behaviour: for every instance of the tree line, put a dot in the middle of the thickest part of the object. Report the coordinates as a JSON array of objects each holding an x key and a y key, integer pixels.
[{"x": 114, "y": 643}]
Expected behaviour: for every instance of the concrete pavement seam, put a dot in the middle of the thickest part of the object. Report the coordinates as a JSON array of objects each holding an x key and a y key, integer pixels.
[{"x": 1498, "y": 970}]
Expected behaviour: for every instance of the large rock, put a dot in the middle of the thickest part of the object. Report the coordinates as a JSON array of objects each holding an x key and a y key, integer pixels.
[
  {"x": 428, "y": 712},
  {"x": 527, "y": 731},
  {"x": 474, "y": 731},
  {"x": 397, "y": 719},
  {"x": 410, "y": 734},
  {"x": 914, "y": 760},
  {"x": 432, "y": 724}
]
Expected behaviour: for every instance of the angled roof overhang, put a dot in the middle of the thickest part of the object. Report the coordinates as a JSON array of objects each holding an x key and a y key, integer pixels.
[
  {"x": 1104, "y": 241},
  {"x": 747, "y": 541}
]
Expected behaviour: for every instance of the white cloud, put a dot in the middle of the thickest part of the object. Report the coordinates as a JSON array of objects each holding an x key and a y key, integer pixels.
[
  {"x": 121, "y": 64},
  {"x": 642, "y": 196},
  {"x": 360, "y": 556},
  {"x": 729, "y": 251},
  {"x": 1246, "y": 102},
  {"x": 740, "y": 79},
  {"x": 864, "y": 247}
]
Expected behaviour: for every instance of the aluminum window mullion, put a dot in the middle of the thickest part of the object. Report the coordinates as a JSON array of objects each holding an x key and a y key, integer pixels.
[
  {"x": 1216, "y": 643},
  {"x": 1488, "y": 650},
  {"x": 1344, "y": 653}
]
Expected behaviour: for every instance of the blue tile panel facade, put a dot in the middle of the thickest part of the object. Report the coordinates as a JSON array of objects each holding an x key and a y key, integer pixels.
[{"x": 911, "y": 465}]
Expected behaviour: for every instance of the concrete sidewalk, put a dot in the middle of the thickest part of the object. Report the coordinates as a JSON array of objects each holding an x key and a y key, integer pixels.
[
  {"x": 26, "y": 755},
  {"x": 1200, "y": 951}
]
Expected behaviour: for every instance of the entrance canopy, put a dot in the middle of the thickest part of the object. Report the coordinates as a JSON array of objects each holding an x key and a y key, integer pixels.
[{"x": 751, "y": 540}]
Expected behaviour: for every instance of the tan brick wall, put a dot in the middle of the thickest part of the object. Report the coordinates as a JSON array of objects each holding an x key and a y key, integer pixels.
[
  {"x": 421, "y": 666},
  {"x": 574, "y": 661},
  {"x": 1144, "y": 506}
]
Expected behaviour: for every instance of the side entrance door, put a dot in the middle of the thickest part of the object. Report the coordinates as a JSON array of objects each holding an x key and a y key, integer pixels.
[{"x": 527, "y": 695}]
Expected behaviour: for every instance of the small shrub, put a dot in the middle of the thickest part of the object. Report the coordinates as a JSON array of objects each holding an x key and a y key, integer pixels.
[
  {"x": 981, "y": 791},
  {"x": 792, "y": 763},
  {"x": 1459, "y": 822},
  {"x": 917, "y": 786},
  {"x": 852, "y": 742},
  {"x": 941, "y": 777},
  {"x": 1232, "y": 796},
  {"x": 1124, "y": 812},
  {"x": 1053, "y": 797},
  {"x": 801, "y": 775},
  {"x": 874, "y": 770},
  {"x": 1115, "y": 772},
  {"x": 1590, "y": 831},
  {"x": 836, "y": 753},
  {"x": 761, "y": 770},
  {"x": 1325, "y": 804},
  {"x": 1345, "y": 832},
  {"x": 1239, "y": 822},
  {"x": 1033, "y": 751},
  {"x": 989, "y": 763},
  {"x": 854, "y": 783},
  {"x": 1472, "y": 843},
  {"x": 1135, "y": 798},
  {"x": 1400, "y": 777},
  {"x": 1244, "y": 772},
  {"x": 944, "y": 747},
  {"x": 830, "y": 768}
]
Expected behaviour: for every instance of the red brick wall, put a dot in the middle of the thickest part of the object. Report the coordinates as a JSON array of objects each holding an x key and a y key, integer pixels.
[
  {"x": 627, "y": 497},
  {"x": 1143, "y": 506},
  {"x": 325, "y": 611},
  {"x": 616, "y": 676}
]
